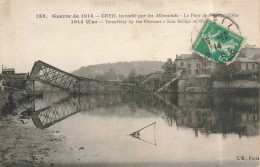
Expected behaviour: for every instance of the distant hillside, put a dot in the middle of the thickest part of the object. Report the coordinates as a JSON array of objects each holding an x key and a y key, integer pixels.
[{"x": 120, "y": 68}]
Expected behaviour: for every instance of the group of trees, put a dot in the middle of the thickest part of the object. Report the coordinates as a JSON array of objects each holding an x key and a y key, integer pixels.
[
  {"x": 169, "y": 68},
  {"x": 222, "y": 72},
  {"x": 110, "y": 75},
  {"x": 225, "y": 72}
]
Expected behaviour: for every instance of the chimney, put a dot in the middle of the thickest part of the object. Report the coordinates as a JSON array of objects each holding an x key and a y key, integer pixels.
[{"x": 176, "y": 55}]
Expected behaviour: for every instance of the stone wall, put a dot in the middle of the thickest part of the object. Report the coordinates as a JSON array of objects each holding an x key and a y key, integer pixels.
[{"x": 236, "y": 84}]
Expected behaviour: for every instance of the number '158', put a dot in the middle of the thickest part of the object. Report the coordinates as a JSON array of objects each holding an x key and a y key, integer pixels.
[{"x": 40, "y": 16}]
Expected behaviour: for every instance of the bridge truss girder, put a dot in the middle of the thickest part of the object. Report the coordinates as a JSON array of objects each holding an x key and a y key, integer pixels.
[{"x": 55, "y": 77}]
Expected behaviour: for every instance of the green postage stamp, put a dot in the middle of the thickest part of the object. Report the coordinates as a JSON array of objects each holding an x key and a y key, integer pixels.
[{"x": 217, "y": 43}]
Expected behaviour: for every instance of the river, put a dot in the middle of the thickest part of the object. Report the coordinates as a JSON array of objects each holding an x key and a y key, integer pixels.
[{"x": 184, "y": 127}]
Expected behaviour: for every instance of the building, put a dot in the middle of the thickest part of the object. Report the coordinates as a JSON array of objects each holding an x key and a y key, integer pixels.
[
  {"x": 194, "y": 65},
  {"x": 11, "y": 79},
  {"x": 248, "y": 59},
  {"x": 196, "y": 72},
  {"x": 8, "y": 71},
  {"x": 247, "y": 65},
  {"x": 249, "y": 51}
]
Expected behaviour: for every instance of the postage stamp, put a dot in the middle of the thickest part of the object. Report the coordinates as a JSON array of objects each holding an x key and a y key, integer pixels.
[{"x": 217, "y": 43}]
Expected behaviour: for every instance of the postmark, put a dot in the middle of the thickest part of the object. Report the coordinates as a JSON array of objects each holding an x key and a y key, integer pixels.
[{"x": 217, "y": 43}]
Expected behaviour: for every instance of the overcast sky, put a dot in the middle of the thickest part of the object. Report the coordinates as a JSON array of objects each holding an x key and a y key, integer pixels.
[{"x": 25, "y": 39}]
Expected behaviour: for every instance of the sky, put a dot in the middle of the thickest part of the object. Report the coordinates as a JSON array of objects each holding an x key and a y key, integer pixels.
[{"x": 25, "y": 39}]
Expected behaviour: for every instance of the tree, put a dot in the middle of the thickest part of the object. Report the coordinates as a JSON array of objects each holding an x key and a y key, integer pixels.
[
  {"x": 131, "y": 76},
  {"x": 224, "y": 72},
  {"x": 121, "y": 77},
  {"x": 110, "y": 75},
  {"x": 169, "y": 67}
]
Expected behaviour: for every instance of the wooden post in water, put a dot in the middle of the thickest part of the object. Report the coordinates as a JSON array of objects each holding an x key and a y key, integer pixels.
[
  {"x": 33, "y": 87},
  {"x": 134, "y": 89}
]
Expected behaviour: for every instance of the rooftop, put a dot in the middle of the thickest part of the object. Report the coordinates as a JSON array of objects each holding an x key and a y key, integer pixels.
[
  {"x": 187, "y": 56},
  {"x": 256, "y": 57},
  {"x": 249, "y": 52},
  {"x": 8, "y": 69},
  {"x": 183, "y": 56},
  {"x": 246, "y": 60}
]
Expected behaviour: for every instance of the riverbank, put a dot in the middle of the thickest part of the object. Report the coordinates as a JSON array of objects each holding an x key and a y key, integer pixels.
[{"x": 22, "y": 144}]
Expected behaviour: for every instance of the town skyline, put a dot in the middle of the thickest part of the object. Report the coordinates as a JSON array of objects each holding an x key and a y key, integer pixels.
[{"x": 173, "y": 59}]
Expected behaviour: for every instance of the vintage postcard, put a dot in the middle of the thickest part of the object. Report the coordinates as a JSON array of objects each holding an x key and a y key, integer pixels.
[{"x": 130, "y": 83}]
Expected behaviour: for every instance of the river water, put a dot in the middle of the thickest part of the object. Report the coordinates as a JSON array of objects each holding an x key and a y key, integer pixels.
[{"x": 184, "y": 127}]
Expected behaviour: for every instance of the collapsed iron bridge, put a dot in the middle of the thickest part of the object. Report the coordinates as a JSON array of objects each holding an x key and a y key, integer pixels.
[{"x": 65, "y": 81}]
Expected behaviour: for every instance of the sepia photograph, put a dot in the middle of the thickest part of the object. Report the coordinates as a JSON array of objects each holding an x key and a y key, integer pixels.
[{"x": 133, "y": 83}]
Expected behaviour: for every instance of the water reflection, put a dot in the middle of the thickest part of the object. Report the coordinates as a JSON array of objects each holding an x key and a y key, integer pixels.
[
  {"x": 47, "y": 116},
  {"x": 207, "y": 114}
]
